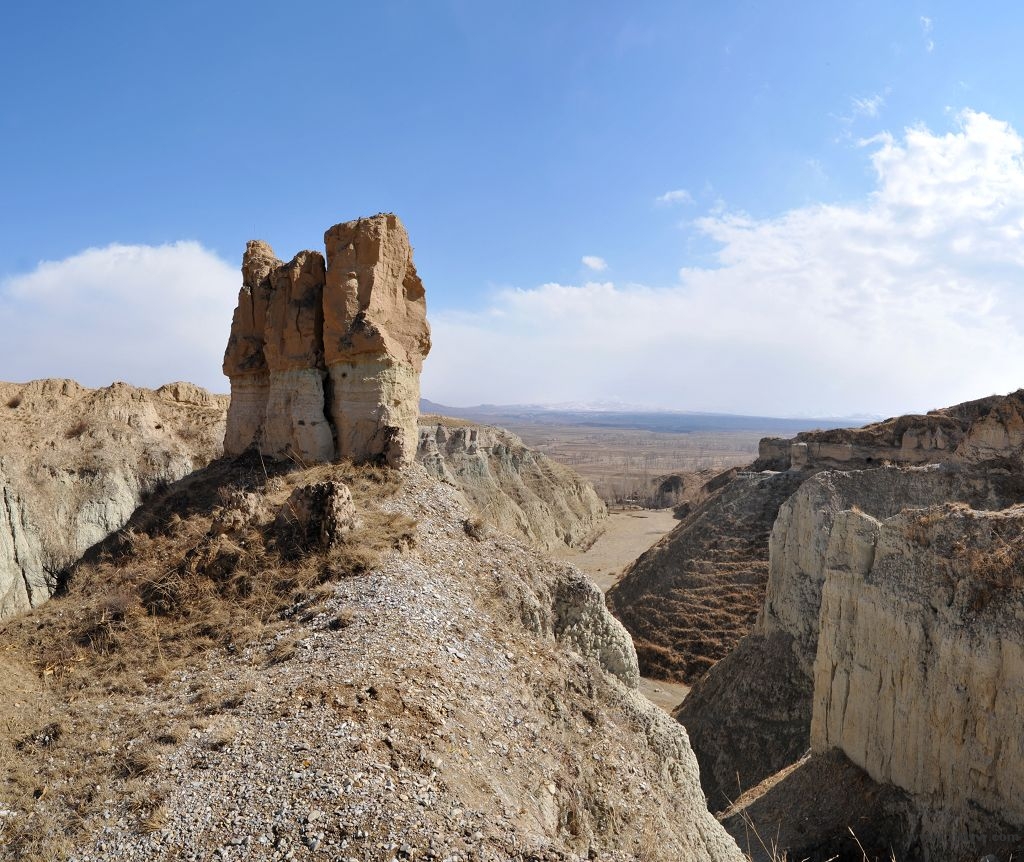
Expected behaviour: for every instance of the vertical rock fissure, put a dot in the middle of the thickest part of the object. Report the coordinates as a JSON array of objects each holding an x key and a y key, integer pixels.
[{"x": 9, "y": 517}]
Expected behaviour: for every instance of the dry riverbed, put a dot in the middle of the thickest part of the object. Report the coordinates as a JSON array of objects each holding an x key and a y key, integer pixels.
[{"x": 629, "y": 533}]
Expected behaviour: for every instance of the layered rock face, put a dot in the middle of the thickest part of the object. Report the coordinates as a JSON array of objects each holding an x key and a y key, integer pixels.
[
  {"x": 750, "y": 716},
  {"x": 892, "y": 635},
  {"x": 919, "y": 673},
  {"x": 513, "y": 488},
  {"x": 76, "y": 462},
  {"x": 324, "y": 357},
  {"x": 987, "y": 431}
]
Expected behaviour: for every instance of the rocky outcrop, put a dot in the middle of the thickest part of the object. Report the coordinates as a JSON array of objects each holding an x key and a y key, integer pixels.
[
  {"x": 513, "y": 488},
  {"x": 76, "y": 462},
  {"x": 891, "y": 635},
  {"x": 750, "y": 716},
  {"x": 989, "y": 431},
  {"x": 324, "y": 356},
  {"x": 919, "y": 673},
  {"x": 690, "y": 598}
]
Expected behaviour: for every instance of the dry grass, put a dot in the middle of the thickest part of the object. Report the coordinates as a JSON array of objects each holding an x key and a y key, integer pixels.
[{"x": 173, "y": 584}]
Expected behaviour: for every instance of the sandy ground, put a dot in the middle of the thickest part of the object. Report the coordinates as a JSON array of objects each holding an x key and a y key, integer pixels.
[{"x": 628, "y": 535}]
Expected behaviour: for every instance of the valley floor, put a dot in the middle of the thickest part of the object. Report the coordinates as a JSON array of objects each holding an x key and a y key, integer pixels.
[{"x": 629, "y": 533}]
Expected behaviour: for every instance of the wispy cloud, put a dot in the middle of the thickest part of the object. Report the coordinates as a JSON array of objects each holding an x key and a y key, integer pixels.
[
  {"x": 867, "y": 106},
  {"x": 905, "y": 300},
  {"x": 926, "y": 30},
  {"x": 676, "y": 196},
  {"x": 597, "y": 264},
  {"x": 144, "y": 314}
]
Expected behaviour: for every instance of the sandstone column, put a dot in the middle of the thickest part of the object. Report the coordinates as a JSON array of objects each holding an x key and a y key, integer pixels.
[
  {"x": 296, "y": 422},
  {"x": 324, "y": 360},
  {"x": 375, "y": 338},
  {"x": 244, "y": 361}
]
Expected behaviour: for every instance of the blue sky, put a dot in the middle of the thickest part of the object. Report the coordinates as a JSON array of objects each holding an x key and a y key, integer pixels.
[{"x": 671, "y": 146}]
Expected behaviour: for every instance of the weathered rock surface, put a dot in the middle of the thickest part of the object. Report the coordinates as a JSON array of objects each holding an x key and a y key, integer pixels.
[
  {"x": 513, "y": 488},
  {"x": 690, "y": 598},
  {"x": 765, "y": 697},
  {"x": 318, "y": 514},
  {"x": 892, "y": 631},
  {"x": 919, "y": 674},
  {"x": 324, "y": 358},
  {"x": 989, "y": 431},
  {"x": 76, "y": 462}
]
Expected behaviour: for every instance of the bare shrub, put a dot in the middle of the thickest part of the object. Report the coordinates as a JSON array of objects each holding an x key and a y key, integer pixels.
[{"x": 77, "y": 430}]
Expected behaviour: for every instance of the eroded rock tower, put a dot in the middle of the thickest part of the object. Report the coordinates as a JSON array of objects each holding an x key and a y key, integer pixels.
[{"x": 324, "y": 357}]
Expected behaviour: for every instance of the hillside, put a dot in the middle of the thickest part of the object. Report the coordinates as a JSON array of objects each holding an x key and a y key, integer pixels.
[
  {"x": 690, "y": 599},
  {"x": 888, "y": 646},
  {"x": 255, "y": 668},
  {"x": 75, "y": 463},
  {"x": 512, "y": 487}
]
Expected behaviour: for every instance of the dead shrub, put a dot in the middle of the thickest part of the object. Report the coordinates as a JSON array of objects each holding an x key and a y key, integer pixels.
[
  {"x": 76, "y": 430},
  {"x": 14, "y": 401}
]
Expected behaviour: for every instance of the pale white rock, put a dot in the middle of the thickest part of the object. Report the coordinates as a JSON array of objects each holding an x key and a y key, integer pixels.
[
  {"x": 513, "y": 488},
  {"x": 919, "y": 675}
]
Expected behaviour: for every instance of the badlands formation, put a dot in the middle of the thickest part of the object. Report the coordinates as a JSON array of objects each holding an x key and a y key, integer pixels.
[
  {"x": 343, "y": 640},
  {"x": 75, "y": 463},
  {"x": 281, "y": 659},
  {"x": 325, "y": 355},
  {"x": 889, "y": 643}
]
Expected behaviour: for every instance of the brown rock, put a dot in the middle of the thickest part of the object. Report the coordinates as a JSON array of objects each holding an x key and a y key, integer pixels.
[
  {"x": 324, "y": 361},
  {"x": 375, "y": 338},
  {"x": 245, "y": 362},
  {"x": 318, "y": 514}
]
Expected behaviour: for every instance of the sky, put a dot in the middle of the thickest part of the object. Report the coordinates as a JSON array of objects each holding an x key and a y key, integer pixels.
[{"x": 789, "y": 209}]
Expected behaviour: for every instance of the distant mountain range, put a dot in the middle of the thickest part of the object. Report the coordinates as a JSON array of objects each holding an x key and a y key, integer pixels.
[{"x": 600, "y": 416}]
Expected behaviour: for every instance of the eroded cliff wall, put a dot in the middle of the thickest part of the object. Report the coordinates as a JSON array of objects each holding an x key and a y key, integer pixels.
[
  {"x": 513, "y": 488},
  {"x": 76, "y": 462},
  {"x": 919, "y": 673}
]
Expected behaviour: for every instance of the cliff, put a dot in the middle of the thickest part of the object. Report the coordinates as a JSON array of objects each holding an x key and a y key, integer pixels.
[
  {"x": 750, "y": 716},
  {"x": 76, "y": 462},
  {"x": 919, "y": 673},
  {"x": 513, "y": 488},
  {"x": 889, "y": 645},
  {"x": 988, "y": 431}
]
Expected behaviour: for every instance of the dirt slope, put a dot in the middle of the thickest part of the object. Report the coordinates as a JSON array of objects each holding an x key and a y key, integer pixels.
[
  {"x": 210, "y": 689},
  {"x": 689, "y": 599},
  {"x": 75, "y": 462}
]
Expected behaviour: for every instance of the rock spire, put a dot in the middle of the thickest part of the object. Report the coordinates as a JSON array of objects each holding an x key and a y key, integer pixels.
[{"x": 324, "y": 356}]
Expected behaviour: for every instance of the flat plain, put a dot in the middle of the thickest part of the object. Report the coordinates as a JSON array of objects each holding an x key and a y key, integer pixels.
[{"x": 624, "y": 464}]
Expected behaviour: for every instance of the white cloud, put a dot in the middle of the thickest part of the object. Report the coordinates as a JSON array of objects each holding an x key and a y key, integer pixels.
[
  {"x": 906, "y": 300},
  {"x": 597, "y": 264},
  {"x": 676, "y": 196},
  {"x": 926, "y": 29},
  {"x": 144, "y": 314},
  {"x": 868, "y": 106}
]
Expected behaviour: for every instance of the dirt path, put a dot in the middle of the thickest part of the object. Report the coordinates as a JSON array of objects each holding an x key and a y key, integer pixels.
[{"x": 628, "y": 535}]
